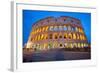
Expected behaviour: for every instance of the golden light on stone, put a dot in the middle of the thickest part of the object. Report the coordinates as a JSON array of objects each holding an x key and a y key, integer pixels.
[{"x": 49, "y": 33}]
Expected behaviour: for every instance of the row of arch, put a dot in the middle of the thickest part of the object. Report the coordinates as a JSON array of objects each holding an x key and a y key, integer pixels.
[
  {"x": 70, "y": 36},
  {"x": 57, "y": 28},
  {"x": 59, "y": 20},
  {"x": 56, "y": 45}
]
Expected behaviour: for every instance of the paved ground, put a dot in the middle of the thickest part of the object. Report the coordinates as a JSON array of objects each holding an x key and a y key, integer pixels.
[{"x": 55, "y": 56}]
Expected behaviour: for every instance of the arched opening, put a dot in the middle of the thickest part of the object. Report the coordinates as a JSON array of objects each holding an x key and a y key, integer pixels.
[
  {"x": 82, "y": 45},
  {"x": 65, "y": 36},
  {"x": 78, "y": 36},
  {"x": 50, "y": 36},
  {"x": 81, "y": 37},
  {"x": 60, "y": 28},
  {"x": 55, "y": 44},
  {"x": 60, "y": 36},
  {"x": 79, "y": 45},
  {"x": 69, "y": 36},
  {"x": 46, "y": 28},
  {"x": 45, "y": 46},
  {"x": 55, "y": 28},
  {"x": 61, "y": 45},
  {"x": 51, "y": 28},
  {"x": 74, "y": 36},
  {"x": 69, "y": 28},
  {"x": 50, "y": 45},
  {"x": 65, "y": 28},
  {"x": 75, "y": 45},
  {"x": 42, "y": 36}
]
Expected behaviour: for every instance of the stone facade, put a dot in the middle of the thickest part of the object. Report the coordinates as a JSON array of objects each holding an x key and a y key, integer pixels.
[{"x": 56, "y": 33}]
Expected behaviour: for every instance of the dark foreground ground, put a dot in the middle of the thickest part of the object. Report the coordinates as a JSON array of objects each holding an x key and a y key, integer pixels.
[{"x": 53, "y": 55}]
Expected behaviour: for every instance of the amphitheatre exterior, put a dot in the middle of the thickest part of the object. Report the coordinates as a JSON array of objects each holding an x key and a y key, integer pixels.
[{"x": 54, "y": 33}]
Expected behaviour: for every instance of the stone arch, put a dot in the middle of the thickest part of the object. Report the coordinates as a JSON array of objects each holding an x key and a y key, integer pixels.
[
  {"x": 70, "y": 36},
  {"x": 74, "y": 36}
]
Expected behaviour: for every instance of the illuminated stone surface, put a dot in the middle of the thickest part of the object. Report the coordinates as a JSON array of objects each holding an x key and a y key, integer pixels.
[{"x": 53, "y": 33}]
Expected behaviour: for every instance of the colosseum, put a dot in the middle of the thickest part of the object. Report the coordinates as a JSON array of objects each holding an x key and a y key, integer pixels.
[{"x": 62, "y": 32}]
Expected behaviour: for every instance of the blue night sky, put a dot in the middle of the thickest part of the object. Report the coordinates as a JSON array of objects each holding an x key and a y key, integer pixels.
[{"x": 32, "y": 16}]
